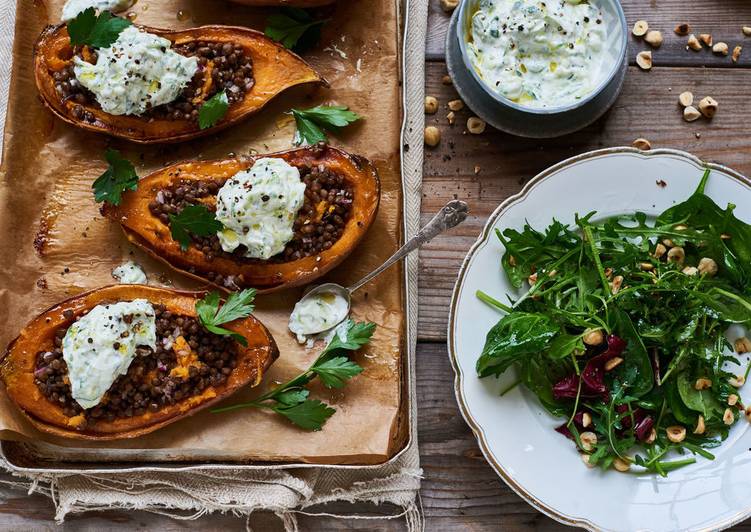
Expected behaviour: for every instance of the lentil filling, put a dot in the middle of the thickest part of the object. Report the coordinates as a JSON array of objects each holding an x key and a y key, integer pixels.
[
  {"x": 230, "y": 67},
  {"x": 319, "y": 224},
  {"x": 154, "y": 379}
]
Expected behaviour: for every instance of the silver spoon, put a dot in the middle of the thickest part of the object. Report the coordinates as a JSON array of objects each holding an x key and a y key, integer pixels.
[{"x": 451, "y": 215}]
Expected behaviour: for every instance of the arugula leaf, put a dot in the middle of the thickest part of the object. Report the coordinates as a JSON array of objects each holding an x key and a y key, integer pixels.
[
  {"x": 335, "y": 372},
  {"x": 311, "y": 414},
  {"x": 290, "y": 399},
  {"x": 96, "y": 31},
  {"x": 213, "y": 110},
  {"x": 238, "y": 305},
  {"x": 196, "y": 219},
  {"x": 294, "y": 28},
  {"x": 515, "y": 336},
  {"x": 313, "y": 123},
  {"x": 119, "y": 177}
]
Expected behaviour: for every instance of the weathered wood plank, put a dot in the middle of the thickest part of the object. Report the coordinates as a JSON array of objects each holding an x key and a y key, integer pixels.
[
  {"x": 647, "y": 108},
  {"x": 723, "y": 21}
]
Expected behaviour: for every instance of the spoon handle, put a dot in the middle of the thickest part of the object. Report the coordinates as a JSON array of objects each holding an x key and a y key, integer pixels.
[{"x": 451, "y": 215}]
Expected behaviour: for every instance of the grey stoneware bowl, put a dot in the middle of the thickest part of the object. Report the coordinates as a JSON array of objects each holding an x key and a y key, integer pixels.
[{"x": 509, "y": 116}]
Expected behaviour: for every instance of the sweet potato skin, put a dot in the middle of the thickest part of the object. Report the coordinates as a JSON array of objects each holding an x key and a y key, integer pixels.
[
  {"x": 18, "y": 364},
  {"x": 275, "y": 69},
  {"x": 291, "y": 3},
  {"x": 147, "y": 231}
]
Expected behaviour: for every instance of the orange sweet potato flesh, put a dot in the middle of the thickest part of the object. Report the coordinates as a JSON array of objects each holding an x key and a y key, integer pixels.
[
  {"x": 291, "y": 3},
  {"x": 275, "y": 69},
  {"x": 149, "y": 232},
  {"x": 19, "y": 362}
]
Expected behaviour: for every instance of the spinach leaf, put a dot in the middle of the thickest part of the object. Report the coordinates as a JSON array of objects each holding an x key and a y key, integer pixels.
[
  {"x": 680, "y": 411},
  {"x": 538, "y": 376},
  {"x": 515, "y": 336},
  {"x": 565, "y": 344},
  {"x": 702, "y": 401},
  {"x": 635, "y": 358}
]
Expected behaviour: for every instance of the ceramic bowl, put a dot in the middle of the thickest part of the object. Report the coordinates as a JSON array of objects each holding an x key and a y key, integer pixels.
[{"x": 511, "y": 117}]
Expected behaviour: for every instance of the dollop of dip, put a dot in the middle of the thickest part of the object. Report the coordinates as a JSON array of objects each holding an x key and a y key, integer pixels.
[
  {"x": 316, "y": 314},
  {"x": 539, "y": 53},
  {"x": 72, "y": 8},
  {"x": 258, "y": 207},
  {"x": 139, "y": 71},
  {"x": 100, "y": 346},
  {"x": 130, "y": 273}
]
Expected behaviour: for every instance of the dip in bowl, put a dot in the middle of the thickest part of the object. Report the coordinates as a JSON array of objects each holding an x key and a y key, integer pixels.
[{"x": 538, "y": 68}]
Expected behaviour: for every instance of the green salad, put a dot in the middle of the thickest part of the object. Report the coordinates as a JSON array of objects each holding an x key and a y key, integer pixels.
[{"x": 631, "y": 330}]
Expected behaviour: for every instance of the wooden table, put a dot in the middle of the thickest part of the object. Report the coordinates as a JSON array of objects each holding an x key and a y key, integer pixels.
[{"x": 460, "y": 490}]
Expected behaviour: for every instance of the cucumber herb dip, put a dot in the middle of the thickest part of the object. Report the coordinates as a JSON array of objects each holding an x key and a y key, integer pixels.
[{"x": 539, "y": 53}]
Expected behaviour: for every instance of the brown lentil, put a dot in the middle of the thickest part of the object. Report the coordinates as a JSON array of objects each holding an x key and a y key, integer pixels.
[
  {"x": 325, "y": 190},
  {"x": 147, "y": 386},
  {"x": 232, "y": 71}
]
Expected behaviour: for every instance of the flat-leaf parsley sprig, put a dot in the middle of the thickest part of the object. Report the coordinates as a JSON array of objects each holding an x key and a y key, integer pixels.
[
  {"x": 313, "y": 123},
  {"x": 195, "y": 219},
  {"x": 290, "y": 399},
  {"x": 213, "y": 110},
  {"x": 295, "y": 28},
  {"x": 119, "y": 177},
  {"x": 238, "y": 305},
  {"x": 97, "y": 31}
]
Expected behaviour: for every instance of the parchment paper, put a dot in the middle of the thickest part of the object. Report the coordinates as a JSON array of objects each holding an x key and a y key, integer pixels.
[{"x": 54, "y": 243}]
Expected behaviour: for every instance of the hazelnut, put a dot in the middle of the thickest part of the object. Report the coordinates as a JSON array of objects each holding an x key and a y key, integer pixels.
[
  {"x": 446, "y": 80},
  {"x": 585, "y": 459},
  {"x": 690, "y": 271},
  {"x": 702, "y": 383},
  {"x": 432, "y": 136},
  {"x": 456, "y": 105},
  {"x": 615, "y": 284},
  {"x": 451, "y": 117},
  {"x": 660, "y": 250},
  {"x": 644, "y": 60},
  {"x": 621, "y": 465},
  {"x": 431, "y": 105},
  {"x": 588, "y": 440},
  {"x": 652, "y": 437},
  {"x": 653, "y": 38},
  {"x": 737, "y": 381},
  {"x": 748, "y": 413},
  {"x": 742, "y": 345},
  {"x": 586, "y": 420},
  {"x": 640, "y": 28},
  {"x": 686, "y": 98},
  {"x": 642, "y": 144},
  {"x": 736, "y": 53},
  {"x": 593, "y": 337},
  {"x": 449, "y": 5},
  {"x": 676, "y": 433},
  {"x": 677, "y": 255},
  {"x": 708, "y": 106},
  {"x": 720, "y": 48},
  {"x": 728, "y": 417},
  {"x": 532, "y": 279},
  {"x": 700, "y": 426},
  {"x": 475, "y": 125},
  {"x": 746, "y": 31},
  {"x": 613, "y": 363},
  {"x": 706, "y": 38},
  {"x": 682, "y": 29},
  {"x": 646, "y": 266},
  {"x": 694, "y": 43},
  {"x": 707, "y": 267},
  {"x": 732, "y": 399},
  {"x": 691, "y": 113}
]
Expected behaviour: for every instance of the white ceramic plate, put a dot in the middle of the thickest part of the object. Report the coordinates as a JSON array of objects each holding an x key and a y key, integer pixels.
[{"x": 516, "y": 434}]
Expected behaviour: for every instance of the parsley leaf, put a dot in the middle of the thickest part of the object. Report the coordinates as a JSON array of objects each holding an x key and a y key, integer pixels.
[
  {"x": 311, "y": 414},
  {"x": 335, "y": 372},
  {"x": 313, "y": 123},
  {"x": 290, "y": 399},
  {"x": 238, "y": 305},
  {"x": 196, "y": 219},
  {"x": 96, "y": 31},
  {"x": 213, "y": 110},
  {"x": 294, "y": 28},
  {"x": 119, "y": 177}
]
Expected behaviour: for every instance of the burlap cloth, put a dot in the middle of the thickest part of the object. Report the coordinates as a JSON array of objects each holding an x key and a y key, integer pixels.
[{"x": 190, "y": 492}]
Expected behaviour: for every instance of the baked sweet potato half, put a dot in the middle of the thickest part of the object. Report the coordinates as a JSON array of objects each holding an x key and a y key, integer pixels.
[
  {"x": 251, "y": 68},
  {"x": 291, "y": 3},
  {"x": 341, "y": 201},
  {"x": 183, "y": 375}
]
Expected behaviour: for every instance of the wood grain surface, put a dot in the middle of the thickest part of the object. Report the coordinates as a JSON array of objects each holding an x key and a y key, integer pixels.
[{"x": 460, "y": 491}]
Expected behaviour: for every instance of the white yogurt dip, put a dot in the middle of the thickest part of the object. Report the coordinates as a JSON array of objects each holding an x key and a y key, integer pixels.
[
  {"x": 72, "y": 8},
  {"x": 130, "y": 273},
  {"x": 258, "y": 207},
  {"x": 539, "y": 53},
  {"x": 315, "y": 314},
  {"x": 100, "y": 346},
  {"x": 139, "y": 71}
]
